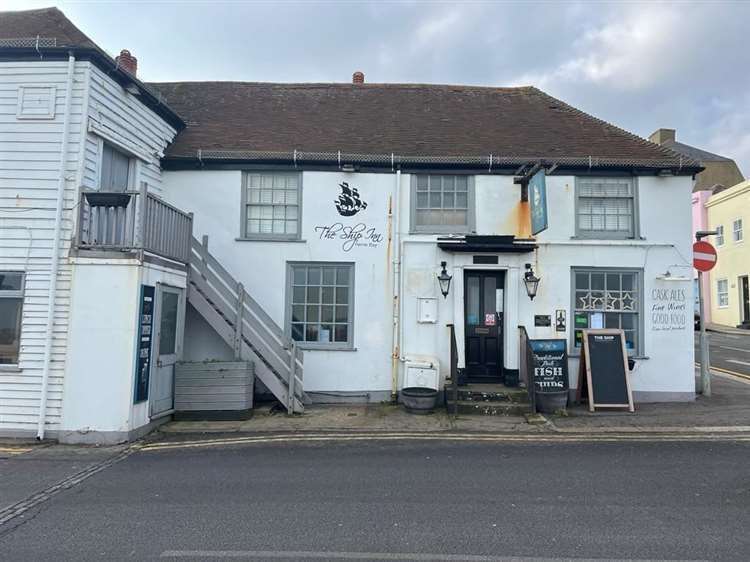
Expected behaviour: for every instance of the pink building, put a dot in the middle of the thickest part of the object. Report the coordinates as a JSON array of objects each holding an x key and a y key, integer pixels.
[{"x": 700, "y": 222}]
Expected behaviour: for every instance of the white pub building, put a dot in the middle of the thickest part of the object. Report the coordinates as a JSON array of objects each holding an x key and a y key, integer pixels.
[{"x": 305, "y": 229}]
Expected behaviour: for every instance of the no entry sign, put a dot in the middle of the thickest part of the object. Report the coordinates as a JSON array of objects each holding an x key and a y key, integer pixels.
[{"x": 704, "y": 256}]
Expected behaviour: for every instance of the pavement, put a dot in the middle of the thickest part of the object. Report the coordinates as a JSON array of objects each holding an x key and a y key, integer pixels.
[
  {"x": 727, "y": 329},
  {"x": 726, "y": 411},
  {"x": 401, "y": 500}
]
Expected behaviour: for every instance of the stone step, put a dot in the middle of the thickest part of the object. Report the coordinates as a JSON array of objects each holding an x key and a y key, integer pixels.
[
  {"x": 504, "y": 395},
  {"x": 474, "y": 408}
]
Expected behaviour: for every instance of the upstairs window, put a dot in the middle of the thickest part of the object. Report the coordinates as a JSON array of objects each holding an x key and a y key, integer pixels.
[
  {"x": 606, "y": 207},
  {"x": 115, "y": 171},
  {"x": 720, "y": 235},
  {"x": 737, "y": 235},
  {"x": 271, "y": 205},
  {"x": 11, "y": 305},
  {"x": 442, "y": 204}
]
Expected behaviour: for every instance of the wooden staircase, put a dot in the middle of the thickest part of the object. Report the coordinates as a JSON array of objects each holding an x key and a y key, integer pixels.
[{"x": 243, "y": 324}]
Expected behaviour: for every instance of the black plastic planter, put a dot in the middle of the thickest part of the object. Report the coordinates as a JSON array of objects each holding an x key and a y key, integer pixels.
[{"x": 419, "y": 400}]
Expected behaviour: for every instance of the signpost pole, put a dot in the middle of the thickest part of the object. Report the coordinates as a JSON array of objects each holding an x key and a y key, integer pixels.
[
  {"x": 704, "y": 259},
  {"x": 705, "y": 379}
]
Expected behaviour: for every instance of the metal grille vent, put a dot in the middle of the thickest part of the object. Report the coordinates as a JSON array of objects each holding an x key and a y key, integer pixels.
[{"x": 33, "y": 42}]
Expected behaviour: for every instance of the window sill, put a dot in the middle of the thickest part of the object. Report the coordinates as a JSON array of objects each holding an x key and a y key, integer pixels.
[
  {"x": 260, "y": 239},
  {"x": 10, "y": 369}
]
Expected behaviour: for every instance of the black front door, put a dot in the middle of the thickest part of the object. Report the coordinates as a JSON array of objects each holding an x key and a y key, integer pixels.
[
  {"x": 745, "y": 298},
  {"x": 483, "y": 317}
]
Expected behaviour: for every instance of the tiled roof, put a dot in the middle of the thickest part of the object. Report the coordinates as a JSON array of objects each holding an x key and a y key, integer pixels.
[
  {"x": 20, "y": 28},
  {"x": 47, "y": 33},
  {"x": 236, "y": 118},
  {"x": 695, "y": 153}
]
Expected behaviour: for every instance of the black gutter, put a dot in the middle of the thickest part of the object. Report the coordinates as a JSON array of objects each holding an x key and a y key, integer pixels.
[
  {"x": 105, "y": 63},
  {"x": 181, "y": 163}
]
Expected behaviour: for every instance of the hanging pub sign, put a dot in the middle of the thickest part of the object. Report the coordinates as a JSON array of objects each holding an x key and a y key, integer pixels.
[
  {"x": 538, "y": 202},
  {"x": 549, "y": 365},
  {"x": 145, "y": 336},
  {"x": 603, "y": 371}
]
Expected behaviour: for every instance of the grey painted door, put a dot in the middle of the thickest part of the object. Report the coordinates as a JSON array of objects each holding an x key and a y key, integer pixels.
[{"x": 169, "y": 325}]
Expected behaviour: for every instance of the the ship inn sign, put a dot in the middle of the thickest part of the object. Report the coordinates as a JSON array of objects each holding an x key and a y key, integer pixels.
[
  {"x": 351, "y": 235},
  {"x": 349, "y": 202}
]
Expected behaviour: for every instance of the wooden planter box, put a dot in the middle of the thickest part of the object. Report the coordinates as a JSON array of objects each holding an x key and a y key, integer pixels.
[{"x": 213, "y": 390}]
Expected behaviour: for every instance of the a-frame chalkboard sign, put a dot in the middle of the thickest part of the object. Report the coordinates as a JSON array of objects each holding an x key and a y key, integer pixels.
[{"x": 604, "y": 371}]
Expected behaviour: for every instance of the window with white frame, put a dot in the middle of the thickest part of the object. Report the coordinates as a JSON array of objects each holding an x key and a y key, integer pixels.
[
  {"x": 442, "y": 203},
  {"x": 11, "y": 306},
  {"x": 271, "y": 205},
  {"x": 737, "y": 230},
  {"x": 115, "y": 170},
  {"x": 320, "y": 304},
  {"x": 606, "y": 207},
  {"x": 722, "y": 292},
  {"x": 608, "y": 298},
  {"x": 720, "y": 235}
]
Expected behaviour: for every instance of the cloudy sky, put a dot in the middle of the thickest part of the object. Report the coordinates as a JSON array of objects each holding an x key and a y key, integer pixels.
[{"x": 639, "y": 65}]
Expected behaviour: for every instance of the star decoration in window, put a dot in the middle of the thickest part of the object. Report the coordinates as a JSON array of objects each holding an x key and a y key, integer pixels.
[{"x": 628, "y": 302}]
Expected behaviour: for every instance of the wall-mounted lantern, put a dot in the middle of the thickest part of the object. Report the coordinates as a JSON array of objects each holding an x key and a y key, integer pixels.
[
  {"x": 531, "y": 281},
  {"x": 444, "y": 280}
]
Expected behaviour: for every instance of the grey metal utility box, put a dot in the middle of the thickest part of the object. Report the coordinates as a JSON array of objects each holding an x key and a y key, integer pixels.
[{"x": 213, "y": 390}]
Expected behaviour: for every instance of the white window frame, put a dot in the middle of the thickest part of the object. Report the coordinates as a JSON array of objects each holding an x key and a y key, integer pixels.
[
  {"x": 638, "y": 311},
  {"x": 470, "y": 225},
  {"x": 289, "y": 303},
  {"x": 246, "y": 204},
  {"x": 720, "y": 235},
  {"x": 48, "y": 112},
  {"x": 15, "y": 295},
  {"x": 634, "y": 231},
  {"x": 737, "y": 233},
  {"x": 722, "y": 293}
]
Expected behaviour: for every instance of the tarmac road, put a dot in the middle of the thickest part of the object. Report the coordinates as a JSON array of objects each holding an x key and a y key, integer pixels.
[
  {"x": 397, "y": 500},
  {"x": 729, "y": 352}
]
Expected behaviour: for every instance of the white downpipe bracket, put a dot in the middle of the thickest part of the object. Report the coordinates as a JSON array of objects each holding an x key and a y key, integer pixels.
[{"x": 52, "y": 296}]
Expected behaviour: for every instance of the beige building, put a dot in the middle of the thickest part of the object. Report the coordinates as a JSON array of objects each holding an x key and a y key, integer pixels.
[
  {"x": 719, "y": 171},
  {"x": 729, "y": 214}
]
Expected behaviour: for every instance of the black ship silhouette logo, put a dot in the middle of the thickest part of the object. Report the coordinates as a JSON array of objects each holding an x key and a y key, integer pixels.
[{"x": 349, "y": 202}]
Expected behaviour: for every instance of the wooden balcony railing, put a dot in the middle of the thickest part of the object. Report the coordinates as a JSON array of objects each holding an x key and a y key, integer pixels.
[{"x": 133, "y": 221}]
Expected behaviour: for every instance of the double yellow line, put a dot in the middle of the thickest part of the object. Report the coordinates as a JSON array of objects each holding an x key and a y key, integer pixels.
[
  {"x": 14, "y": 450},
  {"x": 726, "y": 372},
  {"x": 470, "y": 437}
]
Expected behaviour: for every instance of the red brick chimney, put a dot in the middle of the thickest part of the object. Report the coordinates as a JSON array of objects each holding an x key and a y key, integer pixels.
[
  {"x": 128, "y": 62},
  {"x": 358, "y": 77}
]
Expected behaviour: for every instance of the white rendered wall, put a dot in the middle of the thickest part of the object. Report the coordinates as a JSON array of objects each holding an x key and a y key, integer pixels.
[
  {"x": 664, "y": 372},
  {"x": 214, "y": 197},
  {"x": 102, "y": 351},
  {"x": 103, "y": 332}
]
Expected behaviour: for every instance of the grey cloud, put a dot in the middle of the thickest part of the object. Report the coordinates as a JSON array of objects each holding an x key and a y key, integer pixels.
[{"x": 640, "y": 65}]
